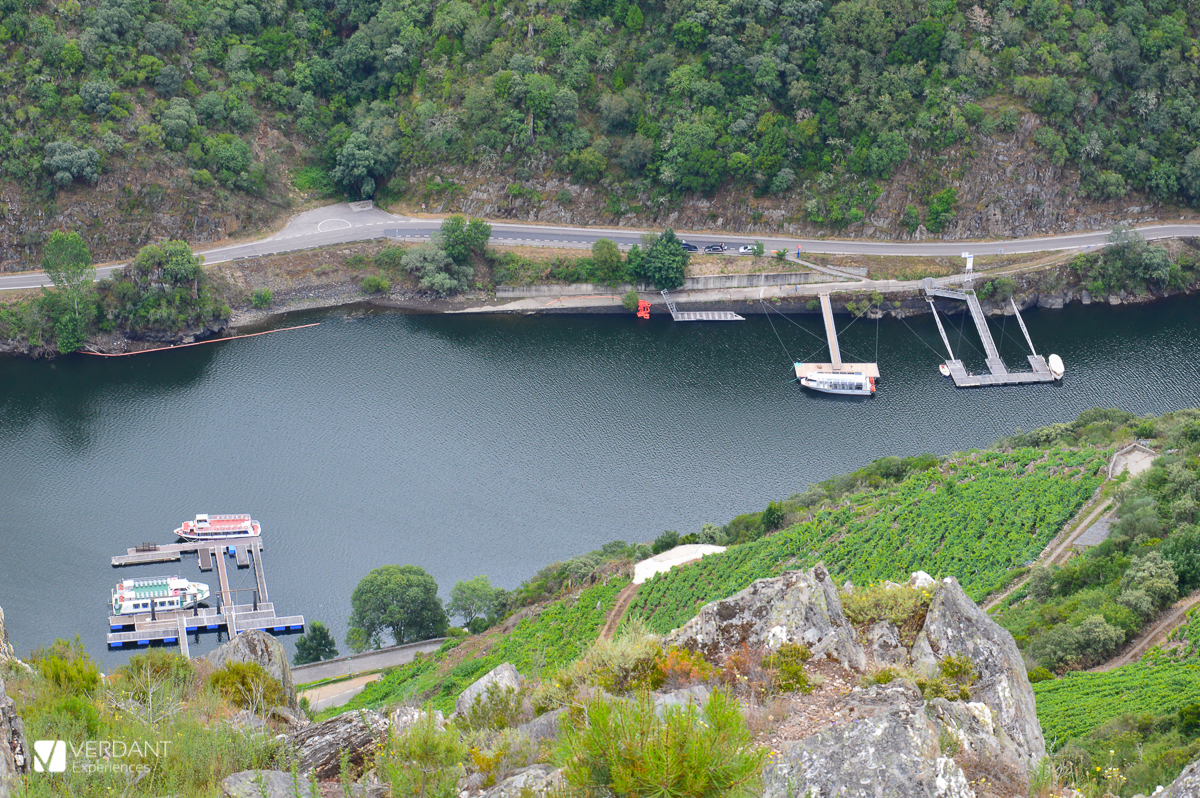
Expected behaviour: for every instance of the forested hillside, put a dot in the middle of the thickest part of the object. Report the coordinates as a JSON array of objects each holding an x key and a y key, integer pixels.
[{"x": 823, "y": 99}]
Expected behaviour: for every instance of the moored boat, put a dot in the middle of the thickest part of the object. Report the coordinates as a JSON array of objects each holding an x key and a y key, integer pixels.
[
  {"x": 1055, "y": 364},
  {"x": 160, "y": 594},
  {"x": 944, "y": 369},
  {"x": 850, "y": 384},
  {"x": 219, "y": 527}
]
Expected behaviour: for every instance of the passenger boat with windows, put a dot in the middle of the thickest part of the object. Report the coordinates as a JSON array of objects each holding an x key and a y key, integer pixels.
[
  {"x": 847, "y": 384},
  {"x": 219, "y": 527},
  {"x": 159, "y": 594}
]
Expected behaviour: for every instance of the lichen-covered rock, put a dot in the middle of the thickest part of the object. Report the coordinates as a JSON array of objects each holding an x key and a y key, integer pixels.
[
  {"x": 973, "y": 726},
  {"x": 535, "y": 781},
  {"x": 798, "y": 606},
  {"x": 503, "y": 676},
  {"x": 259, "y": 647},
  {"x": 543, "y": 727},
  {"x": 695, "y": 696},
  {"x": 955, "y": 625},
  {"x": 1186, "y": 786},
  {"x": 884, "y": 647},
  {"x": 6, "y": 649},
  {"x": 319, "y": 748},
  {"x": 402, "y": 718},
  {"x": 264, "y": 784},
  {"x": 14, "y": 758},
  {"x": 890, "y": 749}
]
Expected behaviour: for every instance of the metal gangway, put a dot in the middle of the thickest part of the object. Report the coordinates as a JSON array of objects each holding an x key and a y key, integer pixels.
[{"x": 698, "y": 315}]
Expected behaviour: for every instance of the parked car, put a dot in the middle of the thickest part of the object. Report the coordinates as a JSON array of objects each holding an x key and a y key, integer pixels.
[
  {"x": 747, "y": 249},
  {"x": 688, "y": 247},
  {"x": 715, "y": 248}
]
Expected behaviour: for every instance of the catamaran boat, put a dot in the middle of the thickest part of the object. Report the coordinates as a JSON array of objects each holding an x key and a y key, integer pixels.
[
  {"x": 160, "y": 594},
  {"x": 219, "y": 527},
  {"x": 848, "y": 384}
]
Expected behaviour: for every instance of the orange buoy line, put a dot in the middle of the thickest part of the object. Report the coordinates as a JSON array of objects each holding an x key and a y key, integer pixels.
[{"x": 196, "y": 343}]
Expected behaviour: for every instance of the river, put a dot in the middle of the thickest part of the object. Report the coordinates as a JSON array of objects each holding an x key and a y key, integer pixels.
[{"x": 493, "y": 445}]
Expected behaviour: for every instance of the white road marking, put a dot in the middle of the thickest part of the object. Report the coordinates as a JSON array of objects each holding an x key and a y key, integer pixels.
[{"x": 345, "y": 225}]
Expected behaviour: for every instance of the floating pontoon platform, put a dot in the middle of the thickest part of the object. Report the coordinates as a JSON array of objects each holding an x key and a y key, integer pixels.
[
  {"x": 835, "y": 352},
  {"x": 699, "y": 315}
]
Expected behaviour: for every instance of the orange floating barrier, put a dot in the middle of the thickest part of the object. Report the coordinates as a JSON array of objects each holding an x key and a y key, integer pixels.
[{"x": 643, "y": 310}]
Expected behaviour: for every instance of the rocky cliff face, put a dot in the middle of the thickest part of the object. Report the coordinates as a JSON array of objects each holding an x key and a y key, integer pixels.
[
  {"x": 1006, "y": 188},
  {"x": 13, "y": 748},
  {"x": 261, "y": 648},
  {"x": 886, "y": 739}
]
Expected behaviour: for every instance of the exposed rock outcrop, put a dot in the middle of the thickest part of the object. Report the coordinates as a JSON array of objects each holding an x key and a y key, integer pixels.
[
  {"x": 886, "y": 740},
  {"x": 543, "y": 727},
  {"x": 797, "y": 607},
  {"x": 14, "y": 749},
  {"x": 955, "y": 625},
  {"x": 265, "y": 784},
  {"x": 318, "y": 748},
  {"x": 504, "y": 676},
  {"x": 261, "y": 648},
  {"x": 1187, "y": 785},
  {"x": 890, "y": 749},
  {"x": 535, "y": 781}
]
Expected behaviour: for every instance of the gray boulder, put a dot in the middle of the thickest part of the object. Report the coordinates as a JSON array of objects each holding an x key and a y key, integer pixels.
[
  {"x": 535, "y": 781},
  {"x": 503, "y": 676},
  {"x": 696, "y": 696},
  {"x": 402, "y": 718},
  {"x": 266, "y": 784},
  {"x": 890, "y": 749},
  {"x": 1186, "y": 786},
  {"x": 258, "y": 646},
  {"x": 796, "y": 607},
  {"x": 543, "y": 727},
  {"x": 883, "y": 645},
  {"x": 956, "y": 625},
  {"x": 318, "y": 748}
]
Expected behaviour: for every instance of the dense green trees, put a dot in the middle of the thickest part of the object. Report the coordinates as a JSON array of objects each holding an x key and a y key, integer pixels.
[
  {"x": 162, "y": 290},
  {"x": 822, "y": 99},
  {"x": 474, "y": 600},
  {"x": 315, "y": 645},
  {"x": 664, "y": 263},
  {"x": 400, "y": 599}
]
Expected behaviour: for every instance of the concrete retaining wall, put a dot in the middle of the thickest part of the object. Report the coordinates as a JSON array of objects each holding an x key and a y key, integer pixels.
[{"x": 707, "y": 282}]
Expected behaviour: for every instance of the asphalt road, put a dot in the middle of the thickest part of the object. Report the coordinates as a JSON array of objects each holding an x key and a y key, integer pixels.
[{"x": 347, "y": 222}]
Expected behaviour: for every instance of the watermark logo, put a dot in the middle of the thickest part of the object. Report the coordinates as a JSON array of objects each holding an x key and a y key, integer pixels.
[
  {"x": 97, "y": 756},
  {"x": 49, "y": 756}
]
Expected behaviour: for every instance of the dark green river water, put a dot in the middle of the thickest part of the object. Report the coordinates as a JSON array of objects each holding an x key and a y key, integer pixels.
[{"x": 492, "y": 445}]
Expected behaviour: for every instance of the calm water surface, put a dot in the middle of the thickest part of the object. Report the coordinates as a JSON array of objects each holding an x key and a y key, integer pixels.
[{"x": 492, "y": 445}]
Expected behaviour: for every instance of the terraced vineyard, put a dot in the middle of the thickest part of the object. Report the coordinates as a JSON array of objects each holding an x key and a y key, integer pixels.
[
  {"x": 974, "y": 518},
  {"x": 557, "y": 635},
  {"x": 1080, "y": 702}
]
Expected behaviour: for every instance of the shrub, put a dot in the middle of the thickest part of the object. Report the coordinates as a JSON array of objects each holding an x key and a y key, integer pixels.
[
  {"x": 679, "y": 667},
  {"x": 787, "y": 666},
  {"x": 626, "y": 748},
  {"x": 1039, "y": 674},
  {"x": 374, "y": 284},
  {"x": 247, "y": 685},
  {"x": 261, "y": 299},
  {"x": 665, "y": 542},
  {"x": 904, "y": 606},
  {"x": 772, "y": 517},
  {"x": 68, "y": 667},
  {"x": 424, "y": 761},
  {"x": 496, "y": 708},
  {"x": 630, "y": 300},
  {"x": 625, "y": 663}
]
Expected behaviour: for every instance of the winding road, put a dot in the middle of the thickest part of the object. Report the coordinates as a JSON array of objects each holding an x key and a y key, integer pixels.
[{"x": 359, "y": 221}]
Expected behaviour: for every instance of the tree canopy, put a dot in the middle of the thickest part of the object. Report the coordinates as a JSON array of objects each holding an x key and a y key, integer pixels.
[
  {"x": 665, "y": 263},
  {"x": 315, "y": 645},
  {"x": 67, "y": 261},
  {"x": 400, "y": 599},
  {"x": 473, "y": 600}
]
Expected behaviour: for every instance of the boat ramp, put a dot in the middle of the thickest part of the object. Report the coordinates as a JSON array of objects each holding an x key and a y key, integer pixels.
[
  {"x": 1000, "y": 375},
  {"x": 236, "y": 610}
]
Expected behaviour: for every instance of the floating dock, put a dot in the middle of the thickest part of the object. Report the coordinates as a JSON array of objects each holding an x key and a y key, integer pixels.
[
  {"x": 1000, "y": 375},
  {"x": 835, "y": 366},
  {"x": 699, "y": 315},
  {"x": 236, "y": 611}
]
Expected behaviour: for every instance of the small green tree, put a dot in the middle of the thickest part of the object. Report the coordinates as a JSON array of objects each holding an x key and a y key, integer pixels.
[
  {"x": 630, "y": 300},
  {"x": 461, "y": 239},
  {"x": 473, "y": 600},
  {"x": 316, "y": 645},
  {"x": 261, "y": 298},
  {"x": 665, "y": 263},
  {"x": 634, "y": 19},
  {"x": 610, "y": 266},
  {"x": 402, "y": 599},
  {"x": 67, "y": 261},
  {"x": 665, "y": 542}
]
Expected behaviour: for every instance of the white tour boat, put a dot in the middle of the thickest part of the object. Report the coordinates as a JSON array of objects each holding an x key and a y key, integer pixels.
[
  {"x": 848, "y": 384},
  {"x": 163, "y": 593},
  {"x": 1055, "y": 364},
  {"x": 219, "y": 527}
]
